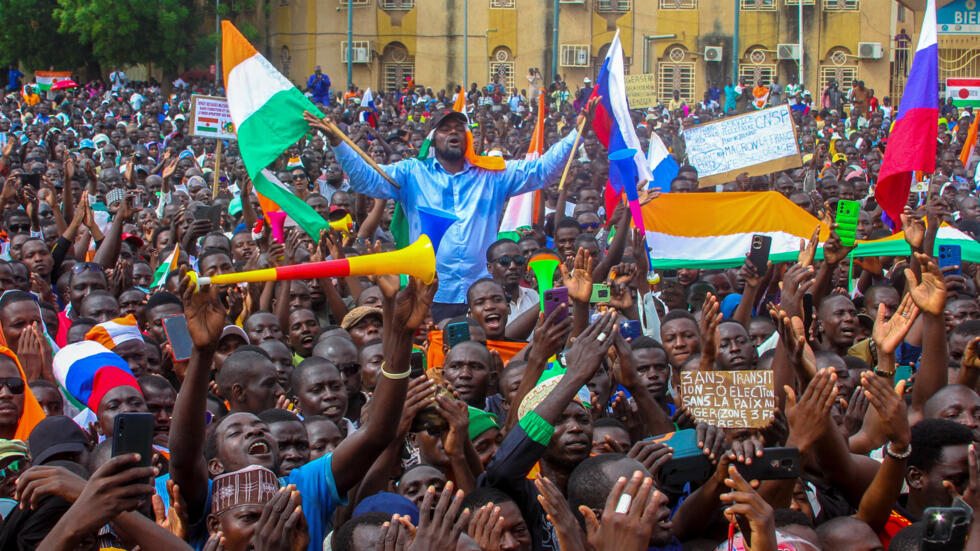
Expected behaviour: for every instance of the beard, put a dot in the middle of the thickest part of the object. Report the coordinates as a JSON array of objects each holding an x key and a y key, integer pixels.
[{"x": 449, "y": 153}]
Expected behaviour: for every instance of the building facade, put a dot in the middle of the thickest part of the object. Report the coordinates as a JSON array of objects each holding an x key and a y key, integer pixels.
[{"x": 689, "y": 45}]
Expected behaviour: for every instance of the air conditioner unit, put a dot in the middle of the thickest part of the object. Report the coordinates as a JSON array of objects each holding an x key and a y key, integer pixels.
[
  {"x": 787, "y": 51},
  {"x": 362, "y": 55},
  {"x": 713, "y": 53},
  {"x": 571, "y": 1},
  {"x": 869, "y": 50}
]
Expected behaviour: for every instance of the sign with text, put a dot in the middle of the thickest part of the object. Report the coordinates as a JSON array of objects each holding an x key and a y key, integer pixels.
[
  {"x": 641, "y": 91},
  {"x": 959, "y": 17},
  {"x": 210, "y": 118},
  {"x": 756, "y": 143},
  {"x": 729, "y": 399}
]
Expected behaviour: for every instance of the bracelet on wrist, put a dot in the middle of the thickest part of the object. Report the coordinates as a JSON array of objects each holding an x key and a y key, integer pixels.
[
  {"x": 394, "y": 376},
  {"x": 900, "y": 454}
]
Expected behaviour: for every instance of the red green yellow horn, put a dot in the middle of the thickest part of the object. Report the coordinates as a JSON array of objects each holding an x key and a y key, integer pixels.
[{"x": 417, "y": 259}]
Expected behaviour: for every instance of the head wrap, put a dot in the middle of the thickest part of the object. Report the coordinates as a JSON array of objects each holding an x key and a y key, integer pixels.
[
  {"x": 87, "y": 371},
  {"x": 481, "y": 421},
  {"x": 114, "y": 332},
  {"x": 547, "y": 383}
]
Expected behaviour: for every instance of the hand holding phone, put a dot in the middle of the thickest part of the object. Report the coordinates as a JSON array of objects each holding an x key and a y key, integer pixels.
[
  {"x": 759, "y": 253},
  {"x": 178, "y": 337},
  {"x": 553, "y": 298},
  {"x": 457, "y": 333},
  {"x": 950, "y": 255},
  {"x": 133, "y": 433},
  {"x": 847, "y": 219}
]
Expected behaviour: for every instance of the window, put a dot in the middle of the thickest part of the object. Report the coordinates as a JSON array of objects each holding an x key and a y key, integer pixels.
[
  {"x": 617, "y": 6},
  {"x": 841, "y": 5},
  {"x": 675, "y": 76},
  {"x": 396, "y": 67},
  {"x": 844, "y": 75},
  {"x": 397, "y": 4},
  {"x": 756, "y": 74},
  {"x": 797, "y": 2},
  {"x": 678, "y": 4},
  {"x": 757, "y": 5},
  {"x": 355, "y": 3},
  {"x": 574, "y": 55},
  {"x": 361, "y": 51},
  {"x": 503, "y": 3},
  {"x": 504, "y": 70}
]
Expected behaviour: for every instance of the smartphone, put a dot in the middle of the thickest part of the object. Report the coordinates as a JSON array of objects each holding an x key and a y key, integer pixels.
[
  {"x": 178, "y": 336},
  {"x": 552, "y": 299},
  {"x": 946, "y": 528},
  {"x": 847, "y": 219},
  {"x": 418, "y": 364},
  {"x": 457, "y": 333},
  {"x": 759, "y": 253},
  {"x": 133, "y": 433},
  {"x": 137, "y": 202},
  {"x": 630, "y": 329},
  {"x": 903, "y": 373},
  {"x": 600, "y": 293},
  {"x": 202, "y": 212},
  {"x": 689, "y": 464},
  {"x": 775, "y": 464},
  {"x": 950, "y": 255},
  {"x": 30, "y": 179}
]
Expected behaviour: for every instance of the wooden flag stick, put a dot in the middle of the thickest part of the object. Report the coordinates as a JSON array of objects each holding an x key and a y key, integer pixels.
[
  {"x": 365, "y": 156},
  {"x": 217, "y": 170},
  {"x": 568, "y": 164}
]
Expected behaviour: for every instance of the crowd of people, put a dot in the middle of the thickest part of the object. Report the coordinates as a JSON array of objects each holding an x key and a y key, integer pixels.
[{"x": 365, "y": 413}]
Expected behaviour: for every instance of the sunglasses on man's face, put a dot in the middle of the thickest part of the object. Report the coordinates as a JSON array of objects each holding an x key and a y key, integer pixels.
[
  {"x": 19, "y": 228},
  {"x": 590, "y": 225},
  {"x": 505, "y": 261},
  {"x": 15, "y": 384},
  {"x": 81, "y": 267},
  {"x": 349, "y": 368}
]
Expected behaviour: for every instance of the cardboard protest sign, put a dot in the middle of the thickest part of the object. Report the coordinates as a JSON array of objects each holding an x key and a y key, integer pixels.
[
  {"x": 210, "y": 118},
  {"x": 759, "y": 143},
  {"x": 729, "y": 399},
  {"x": 641, "y": 91}
]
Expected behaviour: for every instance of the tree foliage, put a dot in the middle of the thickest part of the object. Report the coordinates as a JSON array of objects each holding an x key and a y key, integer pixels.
[
  {"x": 162, "y": 32},
  {"x": 31, "y": 34}
]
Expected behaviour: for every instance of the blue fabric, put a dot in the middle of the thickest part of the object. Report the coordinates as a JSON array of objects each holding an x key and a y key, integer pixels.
[
  {"x": 729, "y": 304},
  {"x": 12, "y": 76},
  {"x": 319, "y": 87},
  {"x": 476, "y": 196}
]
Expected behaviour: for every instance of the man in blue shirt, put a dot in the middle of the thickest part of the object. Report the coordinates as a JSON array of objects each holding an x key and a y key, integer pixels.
[
  {"x": 319, "y": 85},
  {"x": 450, "y": 183},
  {"x": 13, "y": 78}
]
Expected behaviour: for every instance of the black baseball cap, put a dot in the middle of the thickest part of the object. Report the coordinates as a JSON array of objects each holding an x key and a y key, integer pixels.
[
  {"x": 53, "y": 436},
  {"x": 443, "y": 114}
]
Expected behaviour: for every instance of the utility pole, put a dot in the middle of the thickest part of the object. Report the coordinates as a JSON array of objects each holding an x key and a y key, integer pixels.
[
  {"x": 554, "y": 40},
  {"x": 217, "y": 40},
  {"x": 350, "y": 43},
  {"x": 799, "y": 31},
  {"x": 735, "y": 46},
  {"x": 466, "y": 40}
]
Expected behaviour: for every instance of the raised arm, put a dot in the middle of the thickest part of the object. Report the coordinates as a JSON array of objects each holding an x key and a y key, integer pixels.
[
  {"x": 404, "y": 312},
  {"x": 363, "y": 178},
  {"x": 108, "y": 251},
  {"x": 188, "y": 468},
  {"x": 929, "y": 295}
]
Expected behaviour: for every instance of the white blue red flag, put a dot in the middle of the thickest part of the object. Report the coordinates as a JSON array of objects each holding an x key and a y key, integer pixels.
[{"x": 912, "y": 141}]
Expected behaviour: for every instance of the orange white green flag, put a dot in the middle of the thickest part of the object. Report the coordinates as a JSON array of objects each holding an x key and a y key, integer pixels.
[{"x": 268, "y": 114}]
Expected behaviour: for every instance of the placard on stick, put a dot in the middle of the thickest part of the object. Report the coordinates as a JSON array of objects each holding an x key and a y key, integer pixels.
[
  {"x": 758, "y": 143},
  {"x": 729, "y": 399},
  {"x": 641, "y": 91},
  {"x": 210, "y": 118}
]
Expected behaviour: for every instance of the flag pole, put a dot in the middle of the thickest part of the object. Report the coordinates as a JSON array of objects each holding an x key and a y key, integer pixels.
[
  {"x": 367, "y": 159},
  {"x": 217, "y": 171},
  {"x": 568, "y": 164}
]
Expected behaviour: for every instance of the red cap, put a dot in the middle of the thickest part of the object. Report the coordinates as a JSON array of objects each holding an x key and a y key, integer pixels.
[{"x": 106, "y": 379}]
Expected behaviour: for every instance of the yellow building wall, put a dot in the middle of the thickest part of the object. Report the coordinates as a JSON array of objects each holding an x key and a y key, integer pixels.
[{"x": 314, "y": 30}]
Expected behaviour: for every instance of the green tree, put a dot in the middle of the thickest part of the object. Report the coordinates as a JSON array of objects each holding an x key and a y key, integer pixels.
[
  {"x": 30, "y": 34},
  {"x": 162, "y": 32}
]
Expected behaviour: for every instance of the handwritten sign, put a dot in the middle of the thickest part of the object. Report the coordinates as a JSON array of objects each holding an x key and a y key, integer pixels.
[
  {"x": 758, "y": 143},
  {"x": 729, "y": 399},
  {"x": 641, "y": 91},
  {"x": 210, "y": 118}
]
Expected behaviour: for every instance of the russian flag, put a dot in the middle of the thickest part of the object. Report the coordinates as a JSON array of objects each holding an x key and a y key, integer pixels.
[
  {"x": 662, "y": 163},
  {"x": 612, "y": 123},
  {"x": 912, "y": 141}
]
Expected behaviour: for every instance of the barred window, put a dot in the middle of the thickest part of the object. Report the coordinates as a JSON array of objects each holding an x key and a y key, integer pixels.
[{"x": 675, "y": 76}]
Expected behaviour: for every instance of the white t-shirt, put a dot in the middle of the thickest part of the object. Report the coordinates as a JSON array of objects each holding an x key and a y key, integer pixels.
[
  {"x": 526, "y": 299},
  {"x": 118, "y": 79}
]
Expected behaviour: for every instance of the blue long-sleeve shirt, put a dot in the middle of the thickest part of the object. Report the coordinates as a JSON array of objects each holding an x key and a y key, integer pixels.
[
  {"x": 319, "y": 87},
  {"x": 476, "y": 196}
]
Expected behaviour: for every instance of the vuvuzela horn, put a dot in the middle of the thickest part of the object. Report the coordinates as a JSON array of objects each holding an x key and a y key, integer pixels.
[{"x": 417, "y": 259}]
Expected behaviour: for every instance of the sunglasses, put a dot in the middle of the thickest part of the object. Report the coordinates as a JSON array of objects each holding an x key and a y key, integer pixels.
[
  {"x": 590, "y": 226},
  {"x": 505, "y": 261},
  {"x": 349, "y": 368},
  {"x": 12, "y": 469},
  {"x": 15, "y": 384},
  {"x": 18, "y": 228},
  {"x": 82, "y": 267}
]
